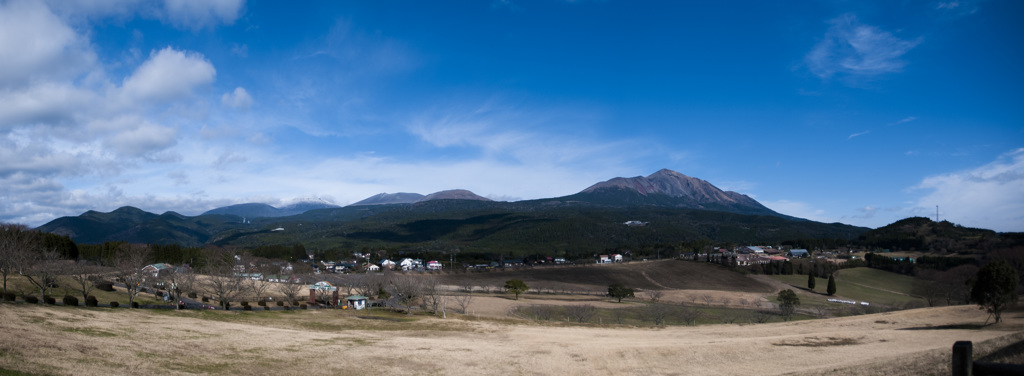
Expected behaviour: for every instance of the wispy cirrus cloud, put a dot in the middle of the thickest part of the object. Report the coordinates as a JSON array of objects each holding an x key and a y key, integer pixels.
[
  {"x": 853, "y": 49},
  {"x": 857, "y": 134},
  {"x": 904, "y": 120}
]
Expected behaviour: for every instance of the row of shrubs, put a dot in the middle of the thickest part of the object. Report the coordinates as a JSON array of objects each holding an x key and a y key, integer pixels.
[
  {"x": 91, "y": 301},
  {"x": 68, "y": 300}
]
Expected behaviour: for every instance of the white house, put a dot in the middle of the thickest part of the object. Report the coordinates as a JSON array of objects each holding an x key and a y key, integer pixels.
[
  {"x": 603, "y": 259},
  {"x": 357, "y": 302},
  {"x": 156, "y": 269},
  {"x": 406, "y": 264},
  {"x": 433, "y": 265},
  {"x": 385, "y": 263},
  {"x": 373, "y": 268},
  {"x": 616, "y": 258}
]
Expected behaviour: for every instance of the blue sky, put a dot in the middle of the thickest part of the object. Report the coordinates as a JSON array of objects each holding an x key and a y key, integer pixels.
[{"x": 855, "y": 112}]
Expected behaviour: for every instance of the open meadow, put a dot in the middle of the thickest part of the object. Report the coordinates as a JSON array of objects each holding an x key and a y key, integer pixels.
[
  {"x": 718, "y": 322},
  {"x": 101, "y": 341}
]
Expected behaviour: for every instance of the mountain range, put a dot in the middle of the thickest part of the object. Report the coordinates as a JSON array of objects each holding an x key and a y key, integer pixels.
[{"x": 679, "y": 208}]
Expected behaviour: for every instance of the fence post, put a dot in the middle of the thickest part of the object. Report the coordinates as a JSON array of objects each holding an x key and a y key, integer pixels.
[{"x": 962, "y": 358}]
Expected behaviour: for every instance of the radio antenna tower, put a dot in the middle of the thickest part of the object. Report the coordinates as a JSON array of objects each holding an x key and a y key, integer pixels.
[{"x": 936, "y": 213}]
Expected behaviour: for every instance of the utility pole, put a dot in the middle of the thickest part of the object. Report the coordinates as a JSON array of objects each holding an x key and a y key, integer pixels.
[{"x": 936, "y": 213}]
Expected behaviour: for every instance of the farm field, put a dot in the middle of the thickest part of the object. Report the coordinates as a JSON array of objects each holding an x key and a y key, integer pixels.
[
  {"x": 651, "y": 275},
  {"x": 859, "y": 284},
  {"x": 99, "y": 341}
]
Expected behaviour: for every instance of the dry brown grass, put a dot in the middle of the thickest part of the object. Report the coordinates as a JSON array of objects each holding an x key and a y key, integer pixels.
[{"x": 81, "y": 341}]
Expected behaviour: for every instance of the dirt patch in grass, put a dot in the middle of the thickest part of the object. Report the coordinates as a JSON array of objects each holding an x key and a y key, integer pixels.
[{"x": 820, "y": 342}]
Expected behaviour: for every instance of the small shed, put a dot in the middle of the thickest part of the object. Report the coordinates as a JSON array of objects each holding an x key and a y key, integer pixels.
[{"x": 357, "y": 302}]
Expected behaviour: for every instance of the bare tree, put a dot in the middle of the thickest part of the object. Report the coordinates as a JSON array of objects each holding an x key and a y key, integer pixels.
[
  {"x": 14, "y": 250},
  {"x": 433, "y": 297},
  {"x": 291, "y": 289},
  {"x": 83, "y": 274},
  {"x": 581, "y": 313},
  {"x": 185, "y": 280},
  {"x": 655, "y": 295},
  {"x": 708, "y": 299},
  {"x": 223, "y": 281},
  {"x": 689, "y": 315},
  {"x": 657, "y": 313},
  {"x": 540, "y": 311},
  {"x": 129, "y": 261},
  {"x": 467, "y": 285},
  {"x": 40, "y": 268},
  {"x": 728, "y": 317},
  {"x": 463, "y": 301},
  {"x": 760, "y": 316},
  {"x": 257, "y": 284},
  {"x": 619, "y": 316},
  {"x": 404, "y": 291}
]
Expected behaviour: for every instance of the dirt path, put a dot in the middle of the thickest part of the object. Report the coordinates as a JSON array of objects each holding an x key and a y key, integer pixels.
[{"x": 644, "y": 273}]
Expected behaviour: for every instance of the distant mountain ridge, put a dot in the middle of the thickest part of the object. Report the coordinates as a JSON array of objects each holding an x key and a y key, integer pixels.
[
  {"x": 454, "y": 194},
  {"x": 390, "y": 198},
  {"x": 681, "y": 206},
  {"x": 258, "y": 210},
  {"x": 672, "y": 189}
]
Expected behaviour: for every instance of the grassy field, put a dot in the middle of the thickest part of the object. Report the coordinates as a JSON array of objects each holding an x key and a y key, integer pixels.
[
  {"x": 650, "y": 275},
  {"x": 67, "y": 286},
  {"x": 860, "y": 284},
  {"x": 55, "y": 340}
]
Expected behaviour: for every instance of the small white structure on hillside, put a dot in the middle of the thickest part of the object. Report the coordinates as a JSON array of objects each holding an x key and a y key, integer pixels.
[{"x": 357, "y": 302}]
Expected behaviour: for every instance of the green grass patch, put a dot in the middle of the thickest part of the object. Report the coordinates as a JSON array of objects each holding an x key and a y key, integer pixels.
[
  {"x": 89, "y": 332},
  {"x": 7, "y": 372},
  {"x": 861, "y": 284}
]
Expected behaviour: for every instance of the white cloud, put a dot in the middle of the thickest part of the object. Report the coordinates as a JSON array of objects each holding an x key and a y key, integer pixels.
[
  {"x": 238, "y": 99},
  {"x": 527, "y": 136},
  {"x": 905, "y": 120},
  {"x": 854, "y": 49},
  {"x": 200, "y": 14},
  {"x": 857, "y": 134},
  {"x": 987, "y": 197},
  {"x": 35, "y": 45},
  {"x": 45, "y": 103},
  {"x": 168, "y": 75},
  {"x": 144, "y": 138}
]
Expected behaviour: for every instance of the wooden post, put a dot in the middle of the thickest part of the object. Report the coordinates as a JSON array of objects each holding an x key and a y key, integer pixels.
[{"x": 963, "y": 358}]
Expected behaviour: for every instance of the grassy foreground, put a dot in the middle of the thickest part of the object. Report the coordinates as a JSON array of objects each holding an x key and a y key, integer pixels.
[{"x": 101, "y": 341}]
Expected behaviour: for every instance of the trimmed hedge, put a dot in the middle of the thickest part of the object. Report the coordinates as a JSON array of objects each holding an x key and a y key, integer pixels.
[
  {"x": 280, "y": 303},
  {"x": 50, "y": 300},
  {"x": 91, "y": 301},
  {"x": 70, "y": 300},
  {"x": 31, "y": 299},
  {"x": 192, "y": 295},
  {"x": 262, "y": 303},
  {"x": 104, "y": 285},
  {"x": 9, "y": 296},
  {"x": 247, "y": 307},
  {"x": 135, "y": 304},
  {"x": 302, "y": 306},
  {"x": 114, "y": 304}
]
